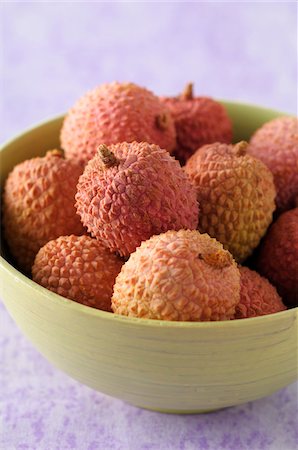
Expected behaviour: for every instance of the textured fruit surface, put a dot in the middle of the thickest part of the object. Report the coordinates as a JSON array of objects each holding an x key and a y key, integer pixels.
[
  {"x": 79, "y": 268},
  {"x": 38, "y": 205},
  {"x": 181, "y": 276},
  {"x": 276, "y": 144},
  {"x": 198, "y": 121},
  {"x": 116, "y": 112},
  {"x": 131, "y": 191},
  {"x": 257, "y": 296},
  {"x": 278, "y": 257},
  {"x": 236, "y": 196}
]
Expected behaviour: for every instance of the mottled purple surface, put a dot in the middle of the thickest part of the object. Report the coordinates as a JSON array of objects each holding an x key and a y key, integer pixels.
[{"x": 52, "y": 53}]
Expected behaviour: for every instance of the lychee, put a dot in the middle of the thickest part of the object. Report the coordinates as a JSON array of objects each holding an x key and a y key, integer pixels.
[
  {"x": 276, "y": 144},
  {"x": 38, "y": 205},
  {"x": 198, "y": 121},
  {"x": 179, "y": 275},
  {"x": 236, "y": 196},
  {"x": 257, "y": 296},
  {"x": 116, "y": 112},
  {"x": 278, "y": 256},
  {"x": 131, "y": 191},
  {"x": 78, "y": 268}
]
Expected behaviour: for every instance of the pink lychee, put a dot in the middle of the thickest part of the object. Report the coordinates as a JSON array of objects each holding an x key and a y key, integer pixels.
[
  {"x": 112, "y": 113},
  {"x": 179, "y": 275},
  {"x": 276, "y": 144},
  {"x": 131, "y": 191},
  {"x": 257, "y": 296},
  {"x": 38, "y": 205},
  {"x": 78, "y": 268},
  {"x": 278, "y": 257},
  {"x": 198, "y": 121}
]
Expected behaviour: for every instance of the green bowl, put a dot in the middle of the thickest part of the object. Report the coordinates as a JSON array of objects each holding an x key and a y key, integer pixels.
[{"x": 179, "y": 367}]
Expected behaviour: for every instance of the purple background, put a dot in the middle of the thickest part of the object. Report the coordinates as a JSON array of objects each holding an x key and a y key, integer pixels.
[{"x": 51, "y": 54}]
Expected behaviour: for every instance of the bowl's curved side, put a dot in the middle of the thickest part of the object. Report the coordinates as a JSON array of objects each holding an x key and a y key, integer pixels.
[
  {"x": 248, "y": 118},
  {"x": 168, "y": 368},
  {"x": 181, "y": 367}
]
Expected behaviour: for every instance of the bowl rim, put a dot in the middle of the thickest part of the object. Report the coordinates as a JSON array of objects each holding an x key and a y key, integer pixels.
[
  {"x": 89, "y": 311},
  {"x": 19, "y": 277}
]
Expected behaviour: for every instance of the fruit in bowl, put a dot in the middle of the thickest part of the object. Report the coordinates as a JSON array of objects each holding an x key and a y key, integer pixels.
[
  {"x": 179, "y": 275},
  {"x": 198, "y": 121},
  {"x": 38, "y": 205},
  {"x": 236, "y": 193},
  {"x": 116, "y": 112},
  {"x": 201, "y": 357},
  {"x": 131, "y": 191}
]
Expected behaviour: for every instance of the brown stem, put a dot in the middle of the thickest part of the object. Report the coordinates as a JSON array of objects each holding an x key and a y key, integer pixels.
[
  {"x": 162, "y": 121},
  {"x": 218, "y": 260},
  {"x": 240, "y": 148},
  {"x": 107, "y": 157},
  {"x": 55, "y": 152},
  {"x": 187, "y": 94}
]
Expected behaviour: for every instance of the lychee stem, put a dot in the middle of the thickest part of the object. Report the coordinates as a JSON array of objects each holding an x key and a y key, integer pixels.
[
  {"x": 107, "y": 157},
  {"x": 187, "y": 94},
  {"x": 240, "y": 148},
  {"x": 162, "y": 121},
  {"x": 218, "y": 260},
  {"x": 55, "y": 152}
]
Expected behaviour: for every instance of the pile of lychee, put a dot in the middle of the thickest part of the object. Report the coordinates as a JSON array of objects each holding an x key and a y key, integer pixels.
[{"x": 150, "y": 211}]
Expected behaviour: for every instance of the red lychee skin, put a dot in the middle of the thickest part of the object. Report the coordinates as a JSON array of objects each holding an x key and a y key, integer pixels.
[
  {"x": 278, "y": 256},
  {"x": 131, "y": 191},
  {"x": 198, "y": 121},
  {"x": 236, "y": 196},
  {"x": 184, "y": 276},
  {"x": 112, "y": 113},
  {"x": 276, "y": 144},
  {"x": 79, "y": 268},
  {"x": 38, "y": 205},
  {"x": 257, "y": 296}
]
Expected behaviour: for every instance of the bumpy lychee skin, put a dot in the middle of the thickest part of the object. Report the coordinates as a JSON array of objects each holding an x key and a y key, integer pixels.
[
  {"x": 184, "y": 276},
  {"x": 116, "y": 112},
  {"x": 79, "y": 268},
  {"x": 276, "y": 144},
  {"x": 38, "y": 205},
  {"x": 198, "y": 121},
  {"x": 278, "y": 256},
  {"x": 257, "y": 296},
  {"x": 236, "y": 195},
  {"x": 131, "y": 191}
]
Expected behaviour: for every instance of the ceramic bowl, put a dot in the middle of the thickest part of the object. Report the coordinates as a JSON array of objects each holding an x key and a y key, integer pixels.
[{"x": 176, "y": 367}]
